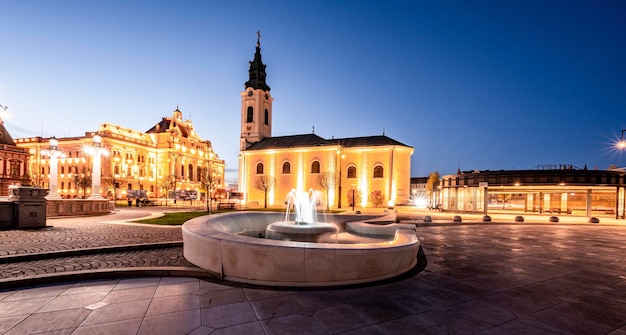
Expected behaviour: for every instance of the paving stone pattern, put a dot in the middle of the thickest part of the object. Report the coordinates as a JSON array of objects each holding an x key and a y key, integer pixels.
[{"x": 478, "y": 279}]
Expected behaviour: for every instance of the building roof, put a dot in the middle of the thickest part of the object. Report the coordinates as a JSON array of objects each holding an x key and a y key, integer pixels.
[
  {"x": 5, "y": 137},
  {"x": 312, "y": 140}
]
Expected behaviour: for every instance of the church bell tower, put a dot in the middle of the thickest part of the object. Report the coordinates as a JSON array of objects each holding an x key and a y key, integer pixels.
[{"x": 256, "y": 103}]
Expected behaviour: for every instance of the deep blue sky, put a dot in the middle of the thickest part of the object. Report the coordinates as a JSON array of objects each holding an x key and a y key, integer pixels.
[{"x": 470, "y": 84}]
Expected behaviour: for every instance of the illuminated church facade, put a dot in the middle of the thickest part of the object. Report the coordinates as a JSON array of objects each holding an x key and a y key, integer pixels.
[{"x": 372, "y": 170}]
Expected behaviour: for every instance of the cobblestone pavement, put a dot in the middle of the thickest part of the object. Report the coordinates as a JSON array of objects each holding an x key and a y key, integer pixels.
[
  {"x": 497, "y": 278},
  {"x": 71, "y": 246}
]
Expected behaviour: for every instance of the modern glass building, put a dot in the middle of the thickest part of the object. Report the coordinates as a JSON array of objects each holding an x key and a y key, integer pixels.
[{"x": 562, "y": 190}]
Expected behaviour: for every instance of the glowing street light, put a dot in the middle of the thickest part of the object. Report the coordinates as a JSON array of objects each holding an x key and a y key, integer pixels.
[
  {"x": 54, "y": 153},
  {"x": 621, "y": 144},
  {"x": 96, "y": 175}
]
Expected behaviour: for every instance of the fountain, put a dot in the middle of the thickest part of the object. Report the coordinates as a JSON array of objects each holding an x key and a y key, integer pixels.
[
  {"x": 347, "y": 249},
  {"x": 304, "y": 227}
]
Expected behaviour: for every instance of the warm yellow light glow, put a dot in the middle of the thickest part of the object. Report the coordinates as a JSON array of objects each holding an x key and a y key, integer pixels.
[{"x": 621, "y": 144}]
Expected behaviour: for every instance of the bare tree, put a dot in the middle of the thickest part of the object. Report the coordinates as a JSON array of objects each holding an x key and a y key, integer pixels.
[
  {"x": 210, "y": 177},
  {"x": 327, "y": 181},
  {"x": 265, "y": 183},
  {"x": 167, "y": 183},
  {"x": 82, "y": 180},
  {"x": 38, "y": 180}
]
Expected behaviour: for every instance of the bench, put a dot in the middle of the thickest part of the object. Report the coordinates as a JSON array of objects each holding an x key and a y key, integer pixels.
[{"x": 226, "y": 205}]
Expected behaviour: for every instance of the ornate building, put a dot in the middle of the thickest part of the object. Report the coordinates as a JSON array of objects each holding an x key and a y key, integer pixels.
[
  {"x": 375, "y": 169},
  {"x": 169, "y": 158},
  {"x": 13, "y": 162}
]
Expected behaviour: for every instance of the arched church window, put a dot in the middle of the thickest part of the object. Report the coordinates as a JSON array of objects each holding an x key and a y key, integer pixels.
[
  {"x": 267, "y": 117},
  {"x": 286, "y": 168},
  {"x": 352, "y": 171},
  {"x": 259, "y": 168},
  {"x": 315, "y": 167},
  {"x": 378, "y": 171},
  {"x": 250, "y": 116}
]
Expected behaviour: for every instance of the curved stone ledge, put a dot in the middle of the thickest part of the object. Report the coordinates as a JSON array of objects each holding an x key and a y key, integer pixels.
[{"x": 212, "y": 243}]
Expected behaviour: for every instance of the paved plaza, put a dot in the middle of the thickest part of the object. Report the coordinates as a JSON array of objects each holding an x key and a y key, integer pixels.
[{"x": 100, "y": 275}]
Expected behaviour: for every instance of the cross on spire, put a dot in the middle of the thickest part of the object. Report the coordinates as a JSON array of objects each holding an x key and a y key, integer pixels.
[{"x": 258, "y": 37}]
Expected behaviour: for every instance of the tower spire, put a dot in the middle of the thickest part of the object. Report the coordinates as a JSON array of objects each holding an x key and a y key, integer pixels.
[{"x": 256, "y": 73}]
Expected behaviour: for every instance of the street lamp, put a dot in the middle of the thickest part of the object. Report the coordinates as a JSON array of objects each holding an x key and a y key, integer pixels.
[
  {"x": 340, "y": 153},
  {"x": 621, "y": 144},
  {"x": 4, "y": 108},
  {"x": 353, "y": 191},
  {"x": 96, "y": 150},
  {"x": 54, "y": 153}
]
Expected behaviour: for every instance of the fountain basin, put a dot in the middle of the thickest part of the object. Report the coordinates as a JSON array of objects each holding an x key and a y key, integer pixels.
[{"x": 213, "y": 243}]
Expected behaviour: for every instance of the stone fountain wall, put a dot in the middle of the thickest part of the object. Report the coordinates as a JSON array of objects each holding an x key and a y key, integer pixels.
[{"x": 213, "y": 243}]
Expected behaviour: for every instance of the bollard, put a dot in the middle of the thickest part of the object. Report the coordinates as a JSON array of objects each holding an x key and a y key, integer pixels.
[
  {"x": 519, "y": 218},
  {"x": 554, "y": 219},
  {"x": 486, "y": 218},
  {"x": 594, "y": 220},
  {"x": 457, "y": 218},
  {"x": 427, "y": 218}
]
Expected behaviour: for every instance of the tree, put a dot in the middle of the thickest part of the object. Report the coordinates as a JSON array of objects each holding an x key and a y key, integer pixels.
[
  {"x": 377, "y": 198},
  {"x": 167, "y": 183},
  {"x": 210, "y": 177},
  {"x": 82, "y": 180},
  {"x": 327, "y": 181},
  {"x": 265, "y": 183},
  {"x": 38, "y": 180}
]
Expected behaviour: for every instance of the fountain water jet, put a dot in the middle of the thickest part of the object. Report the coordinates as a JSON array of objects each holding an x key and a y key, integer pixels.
[{"x": 305, "y": 227}]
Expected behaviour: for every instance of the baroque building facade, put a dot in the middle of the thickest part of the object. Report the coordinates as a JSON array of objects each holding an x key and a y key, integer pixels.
[
  {"x": 364, "y": 171},
  {"x": 13, "y": 162},
  {"x": 168, "y": 159}
]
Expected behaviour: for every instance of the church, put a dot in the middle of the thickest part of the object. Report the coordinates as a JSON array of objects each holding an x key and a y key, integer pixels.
[{"x": 369, "y": 171}]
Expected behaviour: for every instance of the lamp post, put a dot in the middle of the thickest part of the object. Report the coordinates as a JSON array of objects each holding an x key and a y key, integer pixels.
[
  {"x": 340, "y": 152},
  {"x": 4, "y": 108},
  {"x": 96, "y": 151},
  {"x": 621, "y": 144},
  {"x": 54, "y": 153},
  {"x": 353, "y": 191}
]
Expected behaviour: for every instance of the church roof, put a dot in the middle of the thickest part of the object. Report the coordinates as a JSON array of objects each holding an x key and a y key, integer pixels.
[
  {"x": 5, "y": 137},
  {"x": 312, "y": 140},
  {"x": 369, "y": 141}
]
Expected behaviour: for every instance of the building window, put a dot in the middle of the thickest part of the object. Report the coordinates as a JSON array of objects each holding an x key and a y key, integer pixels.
[
  {"x": 259, "y": 168},
  {"x": 267, "y": 117},
  {"x": 315, "y": 167},
  {"x": 286, "y": 168},
  {"x": 190, "y": 172},
  {"x": 352, "y": 171},
  {"x": 249, "y": 117},
  {"x": 378, "y": 171}
]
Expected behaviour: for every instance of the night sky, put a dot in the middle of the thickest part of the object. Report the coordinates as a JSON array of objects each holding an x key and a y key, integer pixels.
[{"x": 485, "y": 85}]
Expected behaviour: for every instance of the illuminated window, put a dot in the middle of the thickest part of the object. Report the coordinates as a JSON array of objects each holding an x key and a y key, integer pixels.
[
  {"x": 286, "y": 168},
  {"x": 378, "y": 171},
  {"x": 315, "y": 167},
  {"x": 259, "y": 168},
  {"x": 352, "y": 171},
  {"x": 249, "y": 117}
]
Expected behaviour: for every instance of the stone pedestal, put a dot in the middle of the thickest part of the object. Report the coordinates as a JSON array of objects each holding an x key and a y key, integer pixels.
[{"x": 29, "y": 206}]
